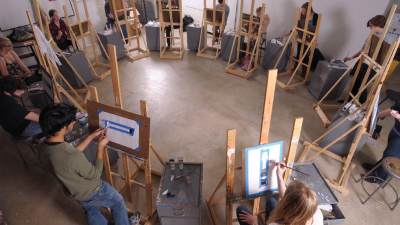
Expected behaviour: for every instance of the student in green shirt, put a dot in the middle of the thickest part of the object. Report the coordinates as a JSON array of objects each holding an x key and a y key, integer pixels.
[{"x": 70, "y": 165}]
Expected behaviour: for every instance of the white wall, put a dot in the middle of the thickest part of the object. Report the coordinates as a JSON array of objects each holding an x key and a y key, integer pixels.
[
  {"x": 343, "y": 25},
  {"x": 194, "y": 8}
]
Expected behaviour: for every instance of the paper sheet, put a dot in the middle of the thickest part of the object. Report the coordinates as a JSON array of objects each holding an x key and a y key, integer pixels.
[{"x": 120, "y": 130}]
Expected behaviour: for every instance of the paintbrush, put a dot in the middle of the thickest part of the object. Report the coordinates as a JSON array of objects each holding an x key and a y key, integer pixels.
[{"x": 291, "y": 168}]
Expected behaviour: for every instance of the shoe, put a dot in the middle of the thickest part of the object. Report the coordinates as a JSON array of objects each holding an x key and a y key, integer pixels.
[
  {"x": 367, "y": 166},
  {"x": 373, "y": 180}
]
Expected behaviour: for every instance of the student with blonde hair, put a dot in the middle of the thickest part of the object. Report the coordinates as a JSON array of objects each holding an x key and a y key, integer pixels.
[
  {"x": 297, "y": 206},
  {"x": 10, "y": 63}
]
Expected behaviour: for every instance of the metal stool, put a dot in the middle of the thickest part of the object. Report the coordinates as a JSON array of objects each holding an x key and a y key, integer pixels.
[{"x": 392, "y": 167}]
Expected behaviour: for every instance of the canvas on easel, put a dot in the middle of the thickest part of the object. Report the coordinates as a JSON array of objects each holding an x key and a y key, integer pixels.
[
  {"x": 260, "y": 171},
  {"x": 126, "y": 131},
  {"x": 229, "y": 176}
]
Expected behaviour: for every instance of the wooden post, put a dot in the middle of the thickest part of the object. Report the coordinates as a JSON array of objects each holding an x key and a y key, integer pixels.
[
  {"x": 115, "y": 75},
  {"x": 294, "y": 142},
  {"x": 266, "y": 120},
  {"x": 230, "y": 172}
]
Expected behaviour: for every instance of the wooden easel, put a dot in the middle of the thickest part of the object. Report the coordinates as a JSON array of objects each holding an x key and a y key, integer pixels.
[
  {"x": 80, "y": 32},
  {"x": 170, "y": 16},
  {"x": 374, "y": 86},
  {"x": 44, "y": 22},
  {"x": 215, "y": 19},
  {"x": 128, "y": 18},
  {"x": 129, "y": 177},
  {"x": 306, "y": 41},
  {"x": 61, "y": 85},
  {"x": 370, "y": 60},
  {"x": 229, "y": 175},
  {"x": 245, "y": 30}
]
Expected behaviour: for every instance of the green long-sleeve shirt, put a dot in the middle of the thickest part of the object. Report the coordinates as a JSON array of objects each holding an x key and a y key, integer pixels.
[{"x": 79, "y": 176}]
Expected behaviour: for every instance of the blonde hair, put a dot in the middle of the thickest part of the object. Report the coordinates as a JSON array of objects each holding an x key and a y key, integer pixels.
[
  {"x": 4, "y": 42},
  {"x": 296, "y": 207}
]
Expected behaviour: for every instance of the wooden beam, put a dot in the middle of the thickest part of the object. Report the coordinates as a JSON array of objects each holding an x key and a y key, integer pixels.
[{"x": 291, "y": 155}]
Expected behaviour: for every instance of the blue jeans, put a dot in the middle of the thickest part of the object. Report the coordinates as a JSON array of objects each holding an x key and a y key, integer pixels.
[
  {"x": 107, "y": 197},
  {"x": 270, "y": 205},
  {"x": 392, "y": 150},
  {"x": 31, "y": 130}
]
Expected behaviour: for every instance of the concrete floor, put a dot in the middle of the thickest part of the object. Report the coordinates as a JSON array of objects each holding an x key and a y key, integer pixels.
[{"x": 191, "y": 103}]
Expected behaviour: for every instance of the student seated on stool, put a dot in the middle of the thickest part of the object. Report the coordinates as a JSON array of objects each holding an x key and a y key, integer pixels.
[
  {"x": 80, "y": 177},
  {"x": 297, "y": 206},
  {"x": 393, "y": 145},
  {"x": 14, "y": 118}
]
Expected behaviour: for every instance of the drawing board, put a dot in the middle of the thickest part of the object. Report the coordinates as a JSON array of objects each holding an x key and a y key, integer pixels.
[
  {"x": 260, "y": 172},
  {"x": 126, "y": 131}
]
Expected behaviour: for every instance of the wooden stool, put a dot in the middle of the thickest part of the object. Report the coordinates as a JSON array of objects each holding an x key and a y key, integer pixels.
[{"x": 392, "y": 167}]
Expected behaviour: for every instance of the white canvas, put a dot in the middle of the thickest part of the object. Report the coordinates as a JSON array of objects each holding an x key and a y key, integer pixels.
[
  {"x": 260, "y": 170},
  {"x": 120, "y": 130}
]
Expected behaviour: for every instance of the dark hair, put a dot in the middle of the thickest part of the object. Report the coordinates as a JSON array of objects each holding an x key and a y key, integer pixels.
[
  {"x": 8, "y": 84},
  {"x": 52, "y": 12},
  {"x": 305, "y": 6},
  {"x": 377, "y": 21},
  {"x": 54, "y": 117},
  {"x": 220, "y": 1},
  {"x": 259, "y": 9}
]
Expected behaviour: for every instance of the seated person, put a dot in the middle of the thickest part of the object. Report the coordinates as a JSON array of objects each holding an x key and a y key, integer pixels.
[
  {"x": 59, "y": 30},
  {"x": 297, "y": 205},
  {"x": 263, "y": 32},
  {"x": 80, "y": 177},
  {"x": 10, "y": 63},
  {"x": 393, "y": 145},
  {"x": 14, "y": 118},
  {"x": 376, "y": 25}
]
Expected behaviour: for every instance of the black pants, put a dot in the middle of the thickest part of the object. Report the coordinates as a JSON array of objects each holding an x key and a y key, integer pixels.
[
  {"x": 168, "y": 33},
  {"x": 64, "y": 44},
  {"x": 270, "y": 205},
  {"x": 392, "y": 150}
]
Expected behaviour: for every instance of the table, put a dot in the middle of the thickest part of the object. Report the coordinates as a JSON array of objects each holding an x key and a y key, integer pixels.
[
  {"x": 182, "y": 204},
  {"x": 152, "y": 36}
]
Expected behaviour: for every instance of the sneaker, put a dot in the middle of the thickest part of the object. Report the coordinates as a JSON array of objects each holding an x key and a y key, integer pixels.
[
  {"x": 373, "y": 180},
  {"x": 134, "y": 219}
]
